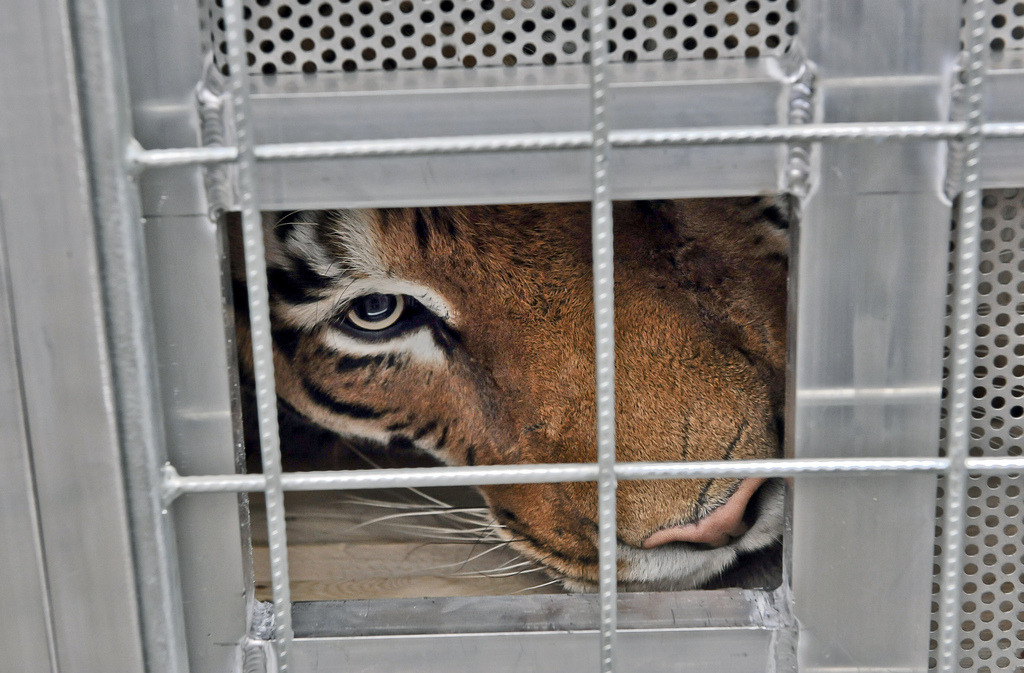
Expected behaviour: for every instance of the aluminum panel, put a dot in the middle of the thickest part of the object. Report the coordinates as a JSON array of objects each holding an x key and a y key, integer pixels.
[
  {"x": 410, "y": 104},
  {"x": 727, "y": 608},
  {"x": 698, "y": 650},
  {"x": 870, "y": 275},
  {"x": 196, "y": 360},
  {"x": 55, "y": 290},
  {"x": 23, "y": 592},
  {"x": 164, "y": 61},
  {"x": 193, "y": 328},
  {"x": 1004, "y": 101}
]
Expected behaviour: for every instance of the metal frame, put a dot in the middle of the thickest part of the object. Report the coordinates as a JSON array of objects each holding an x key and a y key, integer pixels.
[{"x": 124, "y": 410}]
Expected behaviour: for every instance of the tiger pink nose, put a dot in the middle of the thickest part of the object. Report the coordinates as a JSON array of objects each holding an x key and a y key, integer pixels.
[{"x": 718, "y": 528}]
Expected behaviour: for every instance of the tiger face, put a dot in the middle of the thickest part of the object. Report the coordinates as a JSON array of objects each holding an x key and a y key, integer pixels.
[{"x": 468, "y": 333}]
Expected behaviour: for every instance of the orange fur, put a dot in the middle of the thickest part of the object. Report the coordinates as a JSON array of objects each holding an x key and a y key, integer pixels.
[{"x": 700, "y": 301}]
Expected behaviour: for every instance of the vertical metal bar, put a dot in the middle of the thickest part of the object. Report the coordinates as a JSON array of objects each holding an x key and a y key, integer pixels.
[
  {"x": 871, "y": 246},
  {"x": 604, "y": 332},
  {"x": 963, "y": 338},
  {"x": 259, "y": 322},
  {"x": 106, "y": 113}
]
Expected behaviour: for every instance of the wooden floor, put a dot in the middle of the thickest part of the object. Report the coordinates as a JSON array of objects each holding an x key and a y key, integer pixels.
[
  {"x": 391, "y": 544},
  {"x": 387, "y": 543}
]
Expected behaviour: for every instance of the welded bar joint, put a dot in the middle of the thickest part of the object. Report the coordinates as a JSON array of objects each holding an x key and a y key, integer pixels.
[{"x": 965, "y": 290}]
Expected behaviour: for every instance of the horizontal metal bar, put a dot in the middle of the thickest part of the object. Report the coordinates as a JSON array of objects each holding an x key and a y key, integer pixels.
[
  {"x": 880, "y": 395},
  {"x": 781, "y": 134},
  {"x": 418, "y": 477},
  {"x": 722, "y": 608},
  {"x": 572, "y": 140},
  {"x": 175, "y": 484},
  {"x": 395, "y": 147},
  {"x": 995, "y": 465},
  {"x": 184, "y": 156},
  {"x": 776, "y": 468},
  {"x": 684, "y": 650},
  {"x": 1003, "y": 130},
  {"x": 483, "y": 475}
]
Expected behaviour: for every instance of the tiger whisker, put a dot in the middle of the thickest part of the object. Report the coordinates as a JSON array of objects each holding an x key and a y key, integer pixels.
[
  {"x": 454, "y": 533},
  {"x": 503, "y": 570},
  {"x": 470, "y": 559},
  {"x": 537, "y": 586},
  {"x": 490, "y": 574},
  {"x": 389, "y": 517},
  {"x": 418, "y": 492}
]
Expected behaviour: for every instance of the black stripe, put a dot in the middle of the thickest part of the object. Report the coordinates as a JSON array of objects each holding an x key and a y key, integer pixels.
[
  {"x": 401, "y": 443},
  {"x": 471, "y": 455},
  {"x": 734, "y": 442},
  {"x": 284, "y": 226},
  {"x": 446, "y": 338},
  {"x": 453, "y": 230},
  {"x": 347, "y": 363},
  {"x": 287, "y": 340},
  {"x": 323, "y": 398},
  {"x": 443, "y": 438},
  {"x": 396, "y": 362},
  {"x": 397, "y": 426},
  {"x": 429, "y": 427},
  {"x": 422, "y": 230},
  {"x": 701, "y": 499},
  {"x": 699, "y": 505},
  {"x": 298, "y": 285},
  {"x": 774, "y": 215}
]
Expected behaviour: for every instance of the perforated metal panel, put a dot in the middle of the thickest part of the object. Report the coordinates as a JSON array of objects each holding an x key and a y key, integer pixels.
[
  {"x": 992, "y": 601},
  {"x": 1007, "y": 26},
  {"x": 292, "y": 36}
]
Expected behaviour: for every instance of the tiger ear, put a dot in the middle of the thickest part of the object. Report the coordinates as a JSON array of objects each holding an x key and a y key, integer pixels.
[{"x": 780, "y": 209}]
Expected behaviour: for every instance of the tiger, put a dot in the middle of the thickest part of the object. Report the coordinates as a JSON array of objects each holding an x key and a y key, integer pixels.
[{"x": 467, "y": 334}]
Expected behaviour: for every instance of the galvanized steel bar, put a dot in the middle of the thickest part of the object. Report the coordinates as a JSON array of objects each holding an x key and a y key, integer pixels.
[
  {"x": 994, "y": 465},
  {"x": 183, "y": 156},
  {"x": 175, "y": 485},
  {"x": 604, "y": 333},
  {"x": 790, "y": 134},
  {"x": 259, "y": 324},
  {"x": 571, "y": 140},
  {"x": 1003, "y": 130},
  {"x": 106, "y": 114},
  {"x": 965, "y": 293}
]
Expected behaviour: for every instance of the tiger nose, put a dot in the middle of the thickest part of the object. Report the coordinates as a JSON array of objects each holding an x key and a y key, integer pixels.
[{"x": 718, "y": 528}]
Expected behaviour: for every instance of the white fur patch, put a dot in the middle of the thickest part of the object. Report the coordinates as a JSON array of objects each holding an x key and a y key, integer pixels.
[
  {"x": 418, "y": 344},
  {"x": 359, "y": 238}
]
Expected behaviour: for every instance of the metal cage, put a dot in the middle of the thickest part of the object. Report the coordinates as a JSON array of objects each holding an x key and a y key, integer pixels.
[{"x": 128, "y": 128}]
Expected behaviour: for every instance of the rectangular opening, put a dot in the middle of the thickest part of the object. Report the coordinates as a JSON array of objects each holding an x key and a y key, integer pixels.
[{"x": 462, "y": 336}]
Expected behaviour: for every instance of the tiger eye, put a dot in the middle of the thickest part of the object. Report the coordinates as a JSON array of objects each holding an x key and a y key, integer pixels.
[{"x": 376, "y": 311}]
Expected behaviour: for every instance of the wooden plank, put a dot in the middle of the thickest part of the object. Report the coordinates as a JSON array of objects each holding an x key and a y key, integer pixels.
[{"x": 392, "y": 544}]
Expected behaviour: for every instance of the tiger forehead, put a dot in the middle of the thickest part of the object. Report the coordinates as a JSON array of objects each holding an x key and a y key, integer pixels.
[{"x": 504, "y": 242}]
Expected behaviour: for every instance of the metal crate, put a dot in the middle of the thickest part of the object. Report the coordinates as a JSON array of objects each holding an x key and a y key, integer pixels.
[{"x": 121, "y": 143}]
